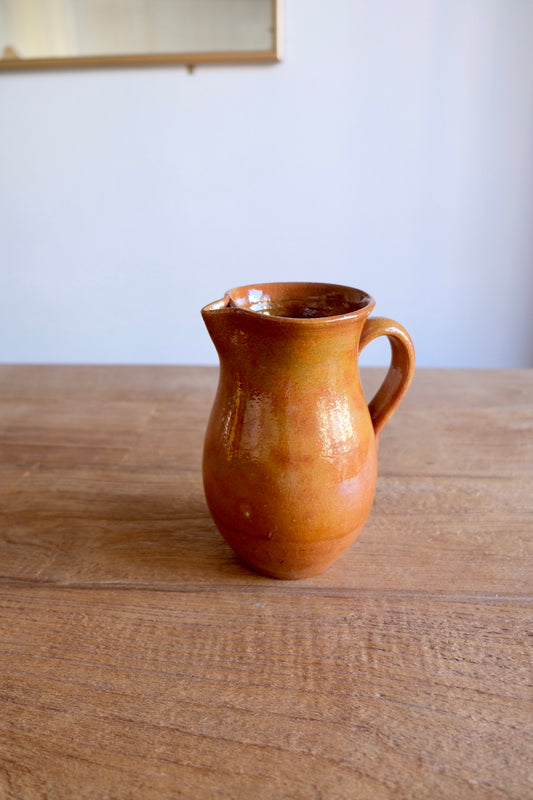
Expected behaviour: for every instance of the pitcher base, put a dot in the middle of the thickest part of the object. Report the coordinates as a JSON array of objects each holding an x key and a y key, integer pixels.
[{"x": 289, "y": 561}]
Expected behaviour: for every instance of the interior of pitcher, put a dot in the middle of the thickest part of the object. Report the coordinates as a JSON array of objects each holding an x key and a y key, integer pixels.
[{"x": 299, "y": 300}]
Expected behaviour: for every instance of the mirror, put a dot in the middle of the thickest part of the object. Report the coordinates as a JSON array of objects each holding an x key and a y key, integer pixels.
[{"x": 64, "y": 33}]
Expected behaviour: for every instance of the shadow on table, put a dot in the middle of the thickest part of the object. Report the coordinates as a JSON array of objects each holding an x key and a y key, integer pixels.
[
  {"x": 112, "y": 538},
  {"x": 160, "y": 542}
]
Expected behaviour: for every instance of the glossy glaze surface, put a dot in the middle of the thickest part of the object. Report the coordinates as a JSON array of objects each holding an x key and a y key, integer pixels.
[{"x": 290, "y": 461}]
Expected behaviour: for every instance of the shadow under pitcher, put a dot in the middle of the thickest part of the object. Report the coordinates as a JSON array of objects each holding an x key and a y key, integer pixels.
[{"x": 290, "y": 452}]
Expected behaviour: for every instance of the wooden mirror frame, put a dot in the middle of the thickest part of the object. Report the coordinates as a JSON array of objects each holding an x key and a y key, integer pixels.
[{"x": 190, "y": 60}]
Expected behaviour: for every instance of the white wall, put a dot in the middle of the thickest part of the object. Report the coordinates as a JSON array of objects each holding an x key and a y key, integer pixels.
[{"x": 391, "y": 150}]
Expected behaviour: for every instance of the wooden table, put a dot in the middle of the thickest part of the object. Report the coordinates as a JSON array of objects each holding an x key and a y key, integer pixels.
[{"x": 139, "y": 659}]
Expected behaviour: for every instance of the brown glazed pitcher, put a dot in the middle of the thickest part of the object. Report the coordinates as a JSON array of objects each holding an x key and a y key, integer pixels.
[{"x": 290, "y": 455}]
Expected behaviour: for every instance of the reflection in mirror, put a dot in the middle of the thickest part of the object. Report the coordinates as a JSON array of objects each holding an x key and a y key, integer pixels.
[{"x": 69, "y": 32}]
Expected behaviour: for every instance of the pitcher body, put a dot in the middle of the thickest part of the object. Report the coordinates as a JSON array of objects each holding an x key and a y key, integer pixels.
[{"x": 290, "y": 456}]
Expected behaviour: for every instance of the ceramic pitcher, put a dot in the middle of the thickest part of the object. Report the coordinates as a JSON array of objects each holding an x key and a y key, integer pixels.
[{"x": 290, "y": 454}]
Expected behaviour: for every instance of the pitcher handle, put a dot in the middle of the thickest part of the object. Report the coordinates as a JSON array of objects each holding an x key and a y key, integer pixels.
[{"x": 401, "y": 370}]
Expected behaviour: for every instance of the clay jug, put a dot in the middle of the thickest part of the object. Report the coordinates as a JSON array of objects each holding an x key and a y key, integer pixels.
[{"x": 290, "y": 454}]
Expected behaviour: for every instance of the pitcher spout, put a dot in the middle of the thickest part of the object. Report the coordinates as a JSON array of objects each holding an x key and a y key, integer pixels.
[{"x": 219, "y": 319}]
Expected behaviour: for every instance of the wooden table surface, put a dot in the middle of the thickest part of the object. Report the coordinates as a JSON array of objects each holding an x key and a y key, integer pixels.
[{"x": 140, "y": 659}]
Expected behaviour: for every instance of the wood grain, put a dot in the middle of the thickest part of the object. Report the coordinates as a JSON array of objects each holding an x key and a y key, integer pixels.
[{"x": 139, "y": 658}]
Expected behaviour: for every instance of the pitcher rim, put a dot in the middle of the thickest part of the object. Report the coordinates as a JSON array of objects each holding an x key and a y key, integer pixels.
[{"x": 228, "y": 302}]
